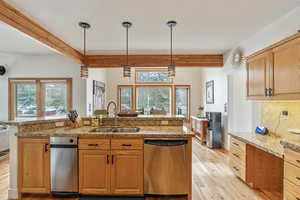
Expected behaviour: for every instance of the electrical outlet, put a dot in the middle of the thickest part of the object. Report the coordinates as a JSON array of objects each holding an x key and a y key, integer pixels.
[
  {"x": 164, "y": 122},
  {"x": 86, "y": 122},
  {"x": 59, "y": 124},
  {"x": 285, "y": 114}
]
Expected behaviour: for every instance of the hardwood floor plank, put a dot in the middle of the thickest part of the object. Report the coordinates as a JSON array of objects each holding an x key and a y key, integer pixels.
[{"x": 212, "y": 179}]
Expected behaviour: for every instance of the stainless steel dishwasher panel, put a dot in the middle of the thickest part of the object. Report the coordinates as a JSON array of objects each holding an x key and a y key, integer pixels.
[
  {"x": 165, "y": 167},
  {"x": 64, "y": 165}
]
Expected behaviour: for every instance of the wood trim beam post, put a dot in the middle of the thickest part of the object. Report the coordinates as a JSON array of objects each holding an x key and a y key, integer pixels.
[
  {"x": 111, "y": 61},
  {"x": 17, "y": 20}
]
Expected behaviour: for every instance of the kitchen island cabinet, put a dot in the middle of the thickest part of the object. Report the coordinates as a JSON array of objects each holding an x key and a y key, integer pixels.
[{"x": 34, "y": 165}]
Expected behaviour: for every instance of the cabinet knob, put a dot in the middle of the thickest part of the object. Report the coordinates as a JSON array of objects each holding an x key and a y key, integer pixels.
[
  {"x": 236, "y": 155},
  {"x": 266, "y": 92}
]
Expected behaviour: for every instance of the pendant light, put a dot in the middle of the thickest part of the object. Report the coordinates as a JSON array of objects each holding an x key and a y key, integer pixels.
[
  {"x": 171, "y": 67},
  {"x": 84, "y": 71},
  {"x": 126, "y": 68}
]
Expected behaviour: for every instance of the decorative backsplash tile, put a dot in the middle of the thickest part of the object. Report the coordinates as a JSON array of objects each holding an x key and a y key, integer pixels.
[{"x": 275, "y": 122}]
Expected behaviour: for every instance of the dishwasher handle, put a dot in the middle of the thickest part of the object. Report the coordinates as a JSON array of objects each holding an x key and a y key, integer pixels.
[{"x": 166, "y": 143}]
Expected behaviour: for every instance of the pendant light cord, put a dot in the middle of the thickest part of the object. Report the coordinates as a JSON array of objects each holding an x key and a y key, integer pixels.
[
  {"x": 126, "y": 46},
  {"x": 84, "y": 41},
  {"x": 171, "y": 50}
]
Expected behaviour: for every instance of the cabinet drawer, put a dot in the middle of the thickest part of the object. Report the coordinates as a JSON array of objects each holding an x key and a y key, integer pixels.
[
  {"x": 292, "y": 157},
  {"x": 292, "y": 173},
  {"x": 120, "y": 144},
  {"x": 94, "y": 144},
  {"x": 236, "y": 154},
  {"x": 238, "y": 169},
  {"x": 291, "y": 191},
  {"x": 235, "y": 143}
]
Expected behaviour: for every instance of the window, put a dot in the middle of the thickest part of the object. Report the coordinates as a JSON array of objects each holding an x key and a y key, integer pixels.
[
  {"x": 26, "y": 104},
  {"x": 39, "y": 97},
  {"x": 182, "y": 100},
  {"x": 55, "y": 98},
  {"x": 152, "y": 76},
  {"x": 154, "y": 98},
  {"x": 125, "y": 94}
]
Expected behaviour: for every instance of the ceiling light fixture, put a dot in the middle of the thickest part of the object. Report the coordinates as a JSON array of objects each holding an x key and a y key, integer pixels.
[
  {"x": 126, "y": 68},
  {"x": 171, "y": 67},
  {"x": 84, "y": 71}
]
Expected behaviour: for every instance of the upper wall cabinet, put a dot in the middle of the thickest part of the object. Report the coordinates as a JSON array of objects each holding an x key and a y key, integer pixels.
[
  {"x": 287, "y": 71},
  {"x": 274, "y": 73},
  {"x": 258, "y": 75}
]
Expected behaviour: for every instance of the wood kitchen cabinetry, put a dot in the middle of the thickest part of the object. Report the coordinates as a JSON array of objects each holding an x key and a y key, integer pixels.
[
  {"x": 237, "y": 161},
  {"x": 34, "y": 165},
  {"x": 291, "y": 175},
  {"x": 111, "y": 166},
  {"x": 127, "y": 172},
  {"x": 274, "y": 73},
  {"x": 94, "y": 172},
  {"x": 257, "y": 168},
  {"x": 259, "y": 75}
]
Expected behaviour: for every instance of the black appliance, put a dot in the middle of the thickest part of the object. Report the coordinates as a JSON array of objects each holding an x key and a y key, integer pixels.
[{"x": 214, "y": 132}]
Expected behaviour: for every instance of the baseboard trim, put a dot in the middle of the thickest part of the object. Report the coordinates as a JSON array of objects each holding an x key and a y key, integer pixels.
[{"x": 12, "y": 193}]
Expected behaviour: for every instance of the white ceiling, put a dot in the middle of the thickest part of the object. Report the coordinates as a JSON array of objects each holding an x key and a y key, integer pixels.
[
  {"x": 14, "y": 42},
  {"x": 204, "y": 26}
]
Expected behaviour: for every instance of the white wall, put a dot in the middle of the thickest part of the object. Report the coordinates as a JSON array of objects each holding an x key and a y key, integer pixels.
[
  {"x": 42, "y": 66},
  {"x": 245, "y": 115},
  {"x": 184, "y": 76},
  {"x": 97, "y": 75},
  {"x": 220, "y": 95}
]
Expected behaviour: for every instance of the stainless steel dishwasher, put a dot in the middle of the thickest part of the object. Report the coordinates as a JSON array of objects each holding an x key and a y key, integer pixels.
[
  {"x": 64, "y": 166},
  {"x": 165, "y": 167}
]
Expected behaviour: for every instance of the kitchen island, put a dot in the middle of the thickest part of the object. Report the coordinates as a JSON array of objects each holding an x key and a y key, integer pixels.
[{"x": 109, "y": 163}]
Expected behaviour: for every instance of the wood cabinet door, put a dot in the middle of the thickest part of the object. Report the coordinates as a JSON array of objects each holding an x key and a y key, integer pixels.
[
  {"x": 34, "y": 165},
  {"x": 127, "y": 172},
  {"x": 259, "y": 75},
  {"x": 94, "y": 172},
  {"x": 287, "y": 71}
]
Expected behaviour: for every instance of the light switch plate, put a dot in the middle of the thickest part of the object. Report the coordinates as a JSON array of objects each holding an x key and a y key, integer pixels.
[
  {"x": 59, "y": 124},
  {"x": 164, "y": 122}
]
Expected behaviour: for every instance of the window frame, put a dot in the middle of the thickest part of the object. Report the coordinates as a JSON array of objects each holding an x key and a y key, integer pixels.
[
  {"x": 189, "y": 99},
  {"x": 137, "y": 70},
  {"x": 40, "y": 94},
  {"x": 173, "y": 95},
  {"x": 132, "y": 87},
  {"x": 157, "y": 86}
]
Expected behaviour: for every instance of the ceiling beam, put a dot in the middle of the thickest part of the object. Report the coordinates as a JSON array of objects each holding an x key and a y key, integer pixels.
[
  {"x": 110, "y": 61},
  {"x": 17, "y": 20}
]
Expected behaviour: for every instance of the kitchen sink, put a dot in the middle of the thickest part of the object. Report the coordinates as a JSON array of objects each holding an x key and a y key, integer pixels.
[{"x": 116, "y": 130}]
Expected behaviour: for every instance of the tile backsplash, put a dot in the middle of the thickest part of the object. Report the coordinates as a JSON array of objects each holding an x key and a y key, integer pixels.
[{"x": 275, "y": 122}]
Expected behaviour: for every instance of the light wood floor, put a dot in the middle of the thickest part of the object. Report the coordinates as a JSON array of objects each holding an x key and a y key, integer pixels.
[{"x": 212, "y": 178}]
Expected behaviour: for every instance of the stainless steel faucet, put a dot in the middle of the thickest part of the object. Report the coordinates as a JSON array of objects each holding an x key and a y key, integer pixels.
[{"x": 115, "y": 121}]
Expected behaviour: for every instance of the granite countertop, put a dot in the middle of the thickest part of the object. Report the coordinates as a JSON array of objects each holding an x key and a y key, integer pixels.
[
  {"x": 199, "y": 118},
  {"x": 294, "y": 145},
  {"x": 37, "y": 120},
  {"x": 268, "y": 143},
  {"x": 84, "y": 131}
]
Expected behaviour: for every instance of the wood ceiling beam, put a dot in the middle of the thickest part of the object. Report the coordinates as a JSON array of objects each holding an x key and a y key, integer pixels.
[
  {"x": 111, "y": 61},
  {"x": 17, "y": 20}
]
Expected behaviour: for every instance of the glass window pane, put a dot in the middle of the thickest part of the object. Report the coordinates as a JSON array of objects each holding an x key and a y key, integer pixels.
[
  {"x": 153, "y": 77},
  {"x": 26, "y": 100},
  {"x": 125, "y": 98},
  {"x": 55, "y": 99},
  {"x": 182, "y": 101},
  {"x": 154, "y": 99}
]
